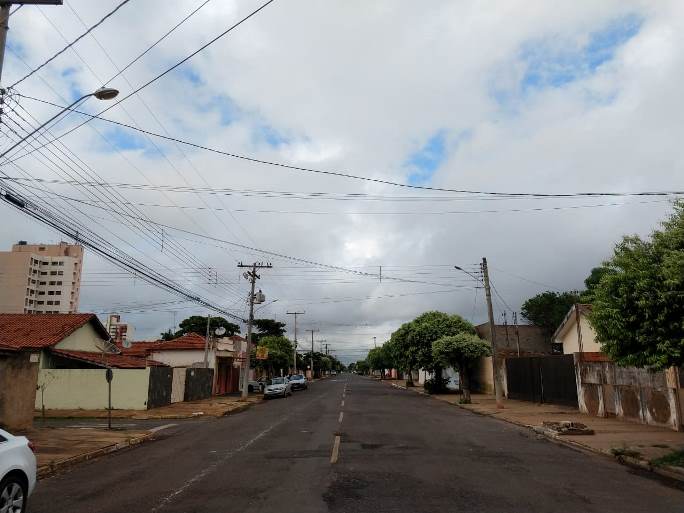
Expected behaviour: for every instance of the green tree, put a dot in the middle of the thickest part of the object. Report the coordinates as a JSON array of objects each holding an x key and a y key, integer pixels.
[
  {"x": 594, "y": 278},
  {"x": 280, "y": 354},
  {"x": 460, "y": 352},
  {"x": 362, "y": 367},
  {"x": 638, "y": 307},
  {"x": 548, "y": 309},
  {"x": 198, "y": 324},
  {"x": 267, "y": 327}
]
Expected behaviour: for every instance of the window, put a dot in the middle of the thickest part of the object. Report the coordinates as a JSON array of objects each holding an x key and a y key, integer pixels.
[
  {"x": 43, "y": 283},
  {"x": 41, "y": 292},
  {"x": 31, "y": 301},
  {"x": 61, "y": 262},
  {"x": 40, "y": 302},
  {"x": 53, "y": 273},
  {"x": 54, "y": 262},
  {"x": 56, "y": 303},
  {"x": 58, "y": 292},
  {"x": 43, "y": 273},
  {"x": 42, "y": 248},
  {"x": 33, "y": 292},
  {"x": 33, "y": 282},
  {"x": 51, "y": 292},
  {"x": 52, "y": 283},
  {"x": 27, "y": 292},
  {"x": 60, "y": 273},
  {"x": 59, "y": 283},
  {"x": 49, "y": 302},
  {"x": 44, "y": 263}
]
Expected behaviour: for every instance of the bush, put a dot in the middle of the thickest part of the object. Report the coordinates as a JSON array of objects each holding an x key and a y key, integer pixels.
[{"x": 435, "y": 386}]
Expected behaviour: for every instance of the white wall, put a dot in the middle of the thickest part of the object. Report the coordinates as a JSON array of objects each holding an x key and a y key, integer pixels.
[
  {"x": 571, "y": 343},
  {"x": 182, "y": 358},
  {"x": 84, "y": 338},
  {"x": 73, "y": 389}
]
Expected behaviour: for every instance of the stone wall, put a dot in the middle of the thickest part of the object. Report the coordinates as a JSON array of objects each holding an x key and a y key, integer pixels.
[
  {"x": 18, "y": 376},
  {"x": 636, "y": 394}
]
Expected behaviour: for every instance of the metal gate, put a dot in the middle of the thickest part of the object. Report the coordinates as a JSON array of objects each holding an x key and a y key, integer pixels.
[{"x": 542, "y": 379}]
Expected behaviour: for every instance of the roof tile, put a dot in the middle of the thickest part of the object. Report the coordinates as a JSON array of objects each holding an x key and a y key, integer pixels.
[{"x": 24, "y": 331}]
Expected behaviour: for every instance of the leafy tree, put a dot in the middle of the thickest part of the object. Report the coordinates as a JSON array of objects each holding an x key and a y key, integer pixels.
[
  {"x": 638, "y": 307},
  {"x": 460, "y": 352},
  {"x": 167, "y": 335},
  {"x": 267, "y": 327},
  {"x": 198, "y": 324},
  {"x": 379, "y": 358},
  {"x": 548, "y": 309},
  {"x": 362, "y": 367},
  {"x": 280, "y": 354},
  {"x": 594, "y": 278}
]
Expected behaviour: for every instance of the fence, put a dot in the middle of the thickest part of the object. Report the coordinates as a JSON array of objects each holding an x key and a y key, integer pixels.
[
  {"x": 542, "y": 379},
  {"x": 633, "y": 393}
]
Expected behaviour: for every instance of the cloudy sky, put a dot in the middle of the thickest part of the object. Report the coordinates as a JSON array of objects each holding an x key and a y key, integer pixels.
[{"x": 513, "y": 97}]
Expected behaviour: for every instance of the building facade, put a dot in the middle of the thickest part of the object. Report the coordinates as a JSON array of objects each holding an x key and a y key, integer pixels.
[
  {"x": 118, "y": 330},
  {"x": 40, "y": 278}
]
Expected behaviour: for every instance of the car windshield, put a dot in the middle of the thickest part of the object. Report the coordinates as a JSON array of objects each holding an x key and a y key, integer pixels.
[
  {"x": 297, "y": 376},
  {"x": 277, "y": 381}
]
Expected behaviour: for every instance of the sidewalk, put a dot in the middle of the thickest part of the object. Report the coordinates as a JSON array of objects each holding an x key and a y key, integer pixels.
[
  {"x": 631, "y": 442},
  {"x": 58, "y": 448},
  {"x": 212, "y": 407}
]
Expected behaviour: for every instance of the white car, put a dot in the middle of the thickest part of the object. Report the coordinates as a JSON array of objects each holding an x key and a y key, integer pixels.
[
  {"x": 277, "y": 387},
  {"x": 17, "y": 472},
  {"x": 298, "y": 382},
  {"x": 454, "y": 383}
]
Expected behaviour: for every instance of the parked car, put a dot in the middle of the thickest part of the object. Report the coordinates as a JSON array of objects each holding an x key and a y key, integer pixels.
[
  {"x": 298, "y": 382},
  {"x": 256, "y": 386},
  {"x": 277, "y": 387},
  {"x": 17, "y": 472}
]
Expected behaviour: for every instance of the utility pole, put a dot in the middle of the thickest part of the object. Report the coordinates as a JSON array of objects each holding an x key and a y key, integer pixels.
[
  {"x": 498, "y": 381},
  {"x": 517, "y": 332},
  {"x": 206, "y": 343},
  {"x": 375, "y": 345},
  {"x": 312, "y": 352},
  {"x": 5, "y": 7},
  {"x": 295, "y": 336},
  {"x": 506, "y": 327},
  {"x": 253, "y": 277}
]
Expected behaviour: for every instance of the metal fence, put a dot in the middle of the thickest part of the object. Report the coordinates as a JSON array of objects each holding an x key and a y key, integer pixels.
[{"x": 542, "y": 379}]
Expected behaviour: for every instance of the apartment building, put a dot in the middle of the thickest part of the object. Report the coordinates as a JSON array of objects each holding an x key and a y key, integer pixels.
[
  {"x": 40, "y": 278},
  {"x": 118, "y": 330}
]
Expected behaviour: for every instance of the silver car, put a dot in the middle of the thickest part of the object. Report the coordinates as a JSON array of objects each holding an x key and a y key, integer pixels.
[
  {"x": 277, "y": 387},
  {"x": 17, "y": 472},
  {"x": 298, "y": 382}
]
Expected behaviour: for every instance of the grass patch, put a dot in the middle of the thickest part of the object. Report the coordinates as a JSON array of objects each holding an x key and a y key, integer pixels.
[
  {"x": 674, "y": 459},
  {"x": 623, "y": 451}
]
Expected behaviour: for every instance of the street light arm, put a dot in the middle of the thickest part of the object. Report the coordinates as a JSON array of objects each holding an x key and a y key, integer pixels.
[{"x": 469, "y": 274}]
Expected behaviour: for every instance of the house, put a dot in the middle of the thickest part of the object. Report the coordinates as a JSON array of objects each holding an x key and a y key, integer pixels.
[
  {"x": 59, "y": 361},
  {"x": 575, "y": 333},
  {"x": 187, "y": 351}
]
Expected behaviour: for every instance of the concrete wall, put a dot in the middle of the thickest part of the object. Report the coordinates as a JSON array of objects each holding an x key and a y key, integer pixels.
[
  {"x": 67, "y": 389},
  {"x": 17, "y": 390},
  {"x": 84, "y": 338},
  {"x": 183, "y": 358},
  {"x": 571, "y": 343},
  {"x": 632, "y": 393}
]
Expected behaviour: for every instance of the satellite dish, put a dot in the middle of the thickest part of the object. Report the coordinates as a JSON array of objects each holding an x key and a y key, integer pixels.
[
  {"x": 127, "y": 343},
  {"x": 220, "y": 331}
]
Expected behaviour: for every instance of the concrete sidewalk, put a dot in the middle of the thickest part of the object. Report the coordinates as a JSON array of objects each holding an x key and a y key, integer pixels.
[
  {"x": 631, "y": 442},
  {"x": 58, "y": 448},
  {"x": 218, "y": 406}
]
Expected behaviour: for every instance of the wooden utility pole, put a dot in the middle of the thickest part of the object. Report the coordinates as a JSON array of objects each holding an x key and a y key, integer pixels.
[
  {"x": 498, "y": 381},
  {"x": 517, "y": 332},
  {"x": 312, "y": 352},
  {"x": 253, "y": 277}
]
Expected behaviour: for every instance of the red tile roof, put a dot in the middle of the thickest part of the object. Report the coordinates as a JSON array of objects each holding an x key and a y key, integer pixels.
[
  {"x": 24, "y": 331},
  {"x": 190, "y": 341},
  {"x": 118, "y": 361}
]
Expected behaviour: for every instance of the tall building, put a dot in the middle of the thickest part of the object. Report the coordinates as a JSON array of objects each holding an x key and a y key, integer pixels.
[
  {"x": 119, "y": 331},
  {"x": 40, "y": 278}
]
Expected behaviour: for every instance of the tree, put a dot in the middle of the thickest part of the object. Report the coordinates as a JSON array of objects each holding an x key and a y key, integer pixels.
[
  {"x": 412, "y": 342},
  {"x": 267, "y": 327},
  {"x": 167, "y": 335},
  {"x": 460, "y": 352},
  {"x": 594, "y": 278},
  {"x": 380, "y": 359},
  {"x": 362, "y": 367},
  {"x": 280, "y": 354},
  {"x": 198, "y": 324},
  {"x": 638, "y": 307},
  {"x": 548, "y": 309}
]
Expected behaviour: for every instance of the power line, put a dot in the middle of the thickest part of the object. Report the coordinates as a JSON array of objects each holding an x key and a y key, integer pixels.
[
  {"x": 168, "y": 70},
  {"x": 69, "y": 45},
  {"x": 342, "y": 174}
]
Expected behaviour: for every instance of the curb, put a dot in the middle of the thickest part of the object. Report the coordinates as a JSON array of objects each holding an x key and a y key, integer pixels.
[
  {"x": 52, "y": 468},
  {"x": 668, "y": 472}
]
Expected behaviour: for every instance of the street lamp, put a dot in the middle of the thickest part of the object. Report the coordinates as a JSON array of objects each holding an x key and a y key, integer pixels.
[
  {"x": 103, "y": 93},
  {"x": 468, "y": 273}
]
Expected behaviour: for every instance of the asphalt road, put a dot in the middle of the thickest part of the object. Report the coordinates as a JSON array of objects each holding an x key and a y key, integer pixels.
[{"x": 397, "y": 452}]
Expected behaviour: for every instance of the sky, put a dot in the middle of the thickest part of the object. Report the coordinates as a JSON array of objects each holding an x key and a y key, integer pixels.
[{"x": 513, "y": 97}]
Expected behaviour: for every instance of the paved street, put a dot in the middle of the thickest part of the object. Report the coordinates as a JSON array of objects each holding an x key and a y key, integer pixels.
[{"x": 397, "y": 451}]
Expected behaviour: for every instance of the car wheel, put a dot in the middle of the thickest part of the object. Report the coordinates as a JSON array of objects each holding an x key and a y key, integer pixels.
[{"x": 12, "y": 495}]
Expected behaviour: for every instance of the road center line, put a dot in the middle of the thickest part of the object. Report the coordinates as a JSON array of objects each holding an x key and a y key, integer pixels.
[
  {"x": 341, "y": 416},
  {"x": 335, "y": 450},
  {"x": 342, "y": 404}
]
